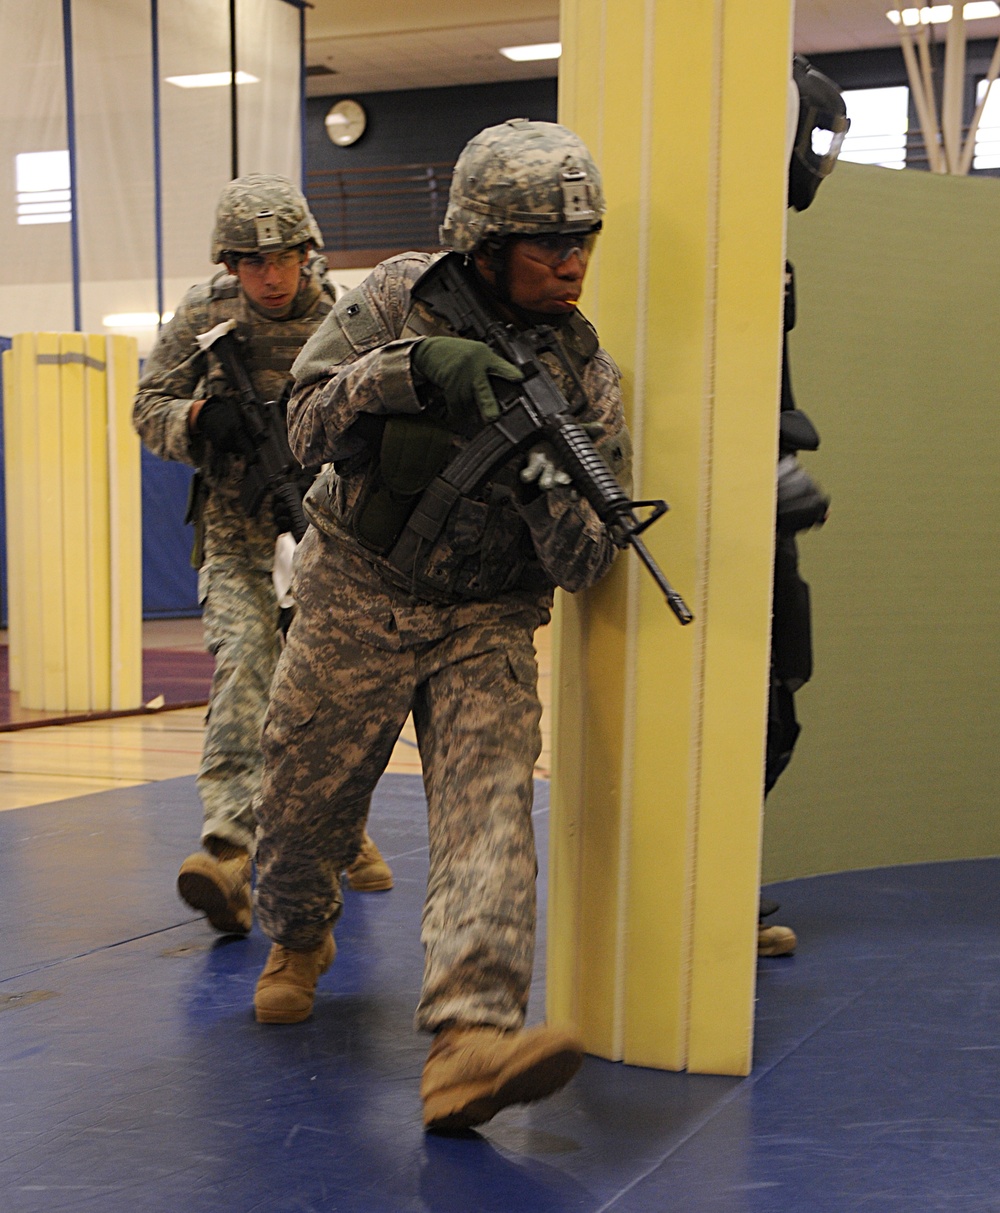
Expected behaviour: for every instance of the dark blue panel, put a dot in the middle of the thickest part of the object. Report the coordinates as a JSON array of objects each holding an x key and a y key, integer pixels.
[
  {"x": 169, "y": 583},
  {"x": 417, "y": 126}
]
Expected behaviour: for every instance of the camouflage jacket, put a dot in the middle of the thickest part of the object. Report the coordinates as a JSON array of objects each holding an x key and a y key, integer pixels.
[
  {"x": 500, "y": 545},
  {"x": 177, "y": 372}
]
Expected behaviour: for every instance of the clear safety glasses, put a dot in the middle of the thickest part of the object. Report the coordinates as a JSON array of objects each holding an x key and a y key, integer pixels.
[
  {"x": 556, "y": 249},
  {"x": 259, "y": 263}
]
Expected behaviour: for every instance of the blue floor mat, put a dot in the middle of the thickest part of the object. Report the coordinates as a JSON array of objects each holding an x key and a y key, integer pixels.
[{"x": 134, "y": 1077}]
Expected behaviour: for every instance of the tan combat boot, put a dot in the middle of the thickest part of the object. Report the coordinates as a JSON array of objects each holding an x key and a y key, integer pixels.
[
  {"x": 775, "y": 941},
  {"x": 369, "y": 873},
  {"x": 219, "y": 886},
  {"x": 471, "y": 1073},
  {"x": 287, "y": 987}
]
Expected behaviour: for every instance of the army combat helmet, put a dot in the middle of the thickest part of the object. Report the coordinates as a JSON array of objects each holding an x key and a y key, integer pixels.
[
  {"x": 262, "y": 213},
  {"x": 521, "y": 178}
]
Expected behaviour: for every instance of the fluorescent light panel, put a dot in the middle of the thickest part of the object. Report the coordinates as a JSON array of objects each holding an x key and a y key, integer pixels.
[
  {"x": 43, "y": 194},
  {"x": 937, "y": 14},
  {"x": 63, "y": 217},
  {"x": 211, "y": 79},
  {"x": 527, "y": 54}
]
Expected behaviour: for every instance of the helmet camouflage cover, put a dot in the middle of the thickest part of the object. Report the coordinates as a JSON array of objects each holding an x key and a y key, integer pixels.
[
  {"x": 521, "y": 178},
  {"x": 260, "y": 213}
]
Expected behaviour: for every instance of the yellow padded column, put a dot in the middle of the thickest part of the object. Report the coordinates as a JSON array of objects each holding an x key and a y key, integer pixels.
[
  {"x": 76, "y": 549},
  {"x": 125, "y": 532},
  {"x": 13, "y": 497},
  {"x": 739, "y": 552},
  {"x": 658, "y": 730},
  {"x": 73, "y": 522},
  {"x": 25, "y": 471},
  {"x": 98, "y": 518},
  {"x": 50, "y": 552}
]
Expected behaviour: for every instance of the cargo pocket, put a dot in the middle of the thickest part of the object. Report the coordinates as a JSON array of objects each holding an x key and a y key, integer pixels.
[
  {"x": 523, "y": 668},
  {"x": 291, "y": 712}
]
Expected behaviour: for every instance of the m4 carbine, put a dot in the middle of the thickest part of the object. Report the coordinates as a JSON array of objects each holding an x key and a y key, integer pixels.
[
  {"x": 270, "y": 465},
  {"x": 531, "y": 410}
]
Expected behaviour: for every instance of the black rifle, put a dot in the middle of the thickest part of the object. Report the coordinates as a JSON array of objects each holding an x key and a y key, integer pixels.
[
  {"x": 532, "y": 409},
  {"x": 270, "y": 465}
]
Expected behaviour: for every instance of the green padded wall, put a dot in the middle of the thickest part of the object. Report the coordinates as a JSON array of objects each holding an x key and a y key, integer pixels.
[{"x": 896, "y": 358}]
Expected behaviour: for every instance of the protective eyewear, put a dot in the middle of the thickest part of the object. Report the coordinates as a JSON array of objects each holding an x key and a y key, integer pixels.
[
  {"x": 258, "y": 263},
  {"x": 556, "y": 249}
]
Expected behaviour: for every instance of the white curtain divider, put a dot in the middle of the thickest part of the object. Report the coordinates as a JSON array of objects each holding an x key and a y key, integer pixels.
[{"x": 36, "y": 267}]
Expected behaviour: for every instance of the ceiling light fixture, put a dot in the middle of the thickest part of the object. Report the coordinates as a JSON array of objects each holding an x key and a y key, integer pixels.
[
  {"x": 937, "y": 14},
  {"x": 527, "y": 54},
  {"x": 211, "y": 79}
]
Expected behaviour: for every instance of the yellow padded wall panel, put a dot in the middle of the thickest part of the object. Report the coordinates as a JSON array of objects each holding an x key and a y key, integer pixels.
[
  {"x": 50, "y": 552},
  {"x": 75, "y": 546},
  {"x": 681, "y": 53},
  {"x": 98, "y": 519},
  {"x": 13, "y": 469},
  {"x": 77, "y": 553},
  {"x": 655, "y": 843},
  {"x": 752, "y": 195},
  {"x": 126, "y": 525},
  {"x": 24, "y": 542}
]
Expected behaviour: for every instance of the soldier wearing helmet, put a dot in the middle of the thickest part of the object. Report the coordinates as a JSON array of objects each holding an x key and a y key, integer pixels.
[
  {"x": 274, "y": 287},
  {"x": 386, "y": 393}
]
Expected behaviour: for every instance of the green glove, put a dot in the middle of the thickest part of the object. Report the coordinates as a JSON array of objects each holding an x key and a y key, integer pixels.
[{"x": 460, "y": 369}]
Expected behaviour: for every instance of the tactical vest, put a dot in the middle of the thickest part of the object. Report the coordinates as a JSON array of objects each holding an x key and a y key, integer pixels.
[
  {"x": 273, "y": 345},
  {"x": 484, "y": 549},
  {"x": 271, "y": 348}
]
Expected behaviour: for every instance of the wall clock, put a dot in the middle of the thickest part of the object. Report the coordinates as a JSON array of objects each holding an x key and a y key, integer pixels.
[{"x": 345, "y": 123}]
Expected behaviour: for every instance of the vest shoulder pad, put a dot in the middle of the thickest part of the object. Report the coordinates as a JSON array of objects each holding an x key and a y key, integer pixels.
[{"x": 224, "y": 285}]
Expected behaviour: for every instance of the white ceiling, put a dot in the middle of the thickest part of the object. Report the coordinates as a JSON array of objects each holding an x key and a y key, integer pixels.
[{"x": 379, "y": 45}]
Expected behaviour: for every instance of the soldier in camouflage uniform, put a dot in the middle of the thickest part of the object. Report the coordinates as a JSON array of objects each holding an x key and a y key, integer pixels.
[
  {"x": 274, "y": 287},
  {"x": 385, "y": 390}
]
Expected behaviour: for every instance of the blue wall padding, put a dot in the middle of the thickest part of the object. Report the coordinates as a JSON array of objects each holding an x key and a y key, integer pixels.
[{"x": 169, "y": 583}]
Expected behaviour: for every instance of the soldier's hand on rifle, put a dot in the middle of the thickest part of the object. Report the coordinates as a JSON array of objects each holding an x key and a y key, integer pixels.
[
  {"x": 801, "y": 502},
  {"x": 541, "y": 469},
  {"x": 460, "y": 370},
  {"x": 221, "y": 423}
]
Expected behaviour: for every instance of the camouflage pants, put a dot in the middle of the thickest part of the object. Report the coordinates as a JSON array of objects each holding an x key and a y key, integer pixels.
[
  {"x": 338, "y": 704},
  {"x": 240, "y": 623}
]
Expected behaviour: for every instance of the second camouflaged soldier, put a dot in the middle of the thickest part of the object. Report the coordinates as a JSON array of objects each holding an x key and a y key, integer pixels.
[
  {"x": 275, "y": 288},
  {"x": 389, "y": 393}
]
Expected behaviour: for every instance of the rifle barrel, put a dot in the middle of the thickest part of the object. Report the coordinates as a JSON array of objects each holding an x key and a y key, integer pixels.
[{"x": 674, "y": 600}]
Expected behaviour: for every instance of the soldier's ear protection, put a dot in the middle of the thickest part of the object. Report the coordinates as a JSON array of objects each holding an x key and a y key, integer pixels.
[{"x": 819, "y": 136}]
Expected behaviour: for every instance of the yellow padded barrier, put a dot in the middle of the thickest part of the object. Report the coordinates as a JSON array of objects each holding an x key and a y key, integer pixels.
[
  {"x": 658, "y": 730},
  {"x": 73, "y": 522}
]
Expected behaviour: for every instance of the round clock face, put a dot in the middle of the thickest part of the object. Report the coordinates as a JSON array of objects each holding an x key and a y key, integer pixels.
[{"x": 345, "y": 123}]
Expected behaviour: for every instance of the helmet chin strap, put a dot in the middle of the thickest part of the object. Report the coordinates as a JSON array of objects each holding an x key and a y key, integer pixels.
[{"x": 497, "y": 252}]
